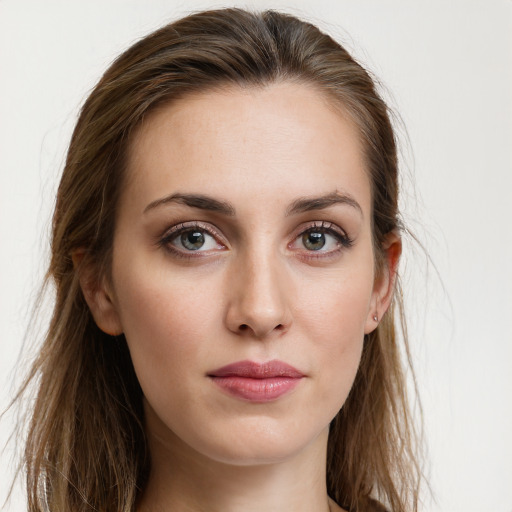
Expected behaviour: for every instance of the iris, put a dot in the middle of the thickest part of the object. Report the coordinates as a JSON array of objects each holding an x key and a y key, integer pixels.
[
  {"x": 192, "y": 240},
  {"x": 313, "y": 240}
]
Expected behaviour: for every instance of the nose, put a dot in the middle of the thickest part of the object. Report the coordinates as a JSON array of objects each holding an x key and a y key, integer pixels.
[{"x": 260, "y": 294}]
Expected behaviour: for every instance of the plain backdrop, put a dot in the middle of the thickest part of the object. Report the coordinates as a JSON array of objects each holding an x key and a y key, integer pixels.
[{"x": 446, "y": 68}]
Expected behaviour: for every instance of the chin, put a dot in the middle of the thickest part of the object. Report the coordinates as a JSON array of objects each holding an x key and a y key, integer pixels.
[{"x": 258, "y": 443}]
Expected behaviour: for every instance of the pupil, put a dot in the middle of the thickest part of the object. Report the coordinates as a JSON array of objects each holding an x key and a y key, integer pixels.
[
  {"x": 314, "y": 240},
  {"x": 192, "y": 240}
]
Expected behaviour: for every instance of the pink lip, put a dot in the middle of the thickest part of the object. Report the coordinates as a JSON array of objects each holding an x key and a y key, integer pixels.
[{"x": 257, "y": 382}]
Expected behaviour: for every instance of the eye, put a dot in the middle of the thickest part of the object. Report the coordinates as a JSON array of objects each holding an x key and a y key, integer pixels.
[
  {"x": 316, "y": 240},
  {"x": 191, "y": 237},
  {"x": 194, "y": 240},
  {"x": 322, "y": 238}
]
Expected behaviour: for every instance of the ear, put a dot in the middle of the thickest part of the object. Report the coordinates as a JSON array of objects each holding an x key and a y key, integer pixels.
[
  {"x": 384, "y": 284},
  {"x": 97, "y": 294}
]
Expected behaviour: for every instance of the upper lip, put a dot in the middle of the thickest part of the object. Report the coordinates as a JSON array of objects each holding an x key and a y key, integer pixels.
[{"x": 254, "y": 370}]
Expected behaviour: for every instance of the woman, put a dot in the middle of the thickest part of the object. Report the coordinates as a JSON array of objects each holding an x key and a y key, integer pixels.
[{"x": 225, "y": 250}]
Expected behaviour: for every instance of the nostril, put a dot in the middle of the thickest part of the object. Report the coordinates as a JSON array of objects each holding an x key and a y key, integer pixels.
[{"x": 244, "y": 327}]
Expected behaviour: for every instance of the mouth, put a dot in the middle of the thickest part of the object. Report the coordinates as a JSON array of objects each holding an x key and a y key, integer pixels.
[{"x": 257, "y": 382}]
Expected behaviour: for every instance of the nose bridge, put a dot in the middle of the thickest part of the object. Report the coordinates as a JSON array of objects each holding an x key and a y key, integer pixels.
[{"x": 259, "y": 302}]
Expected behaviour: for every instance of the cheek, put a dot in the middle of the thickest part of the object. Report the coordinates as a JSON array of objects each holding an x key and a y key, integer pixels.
[
  {"x": 166, "y": 321},
  {"x": 333, "y": 319},
  {"x": 334, "y": 307}
]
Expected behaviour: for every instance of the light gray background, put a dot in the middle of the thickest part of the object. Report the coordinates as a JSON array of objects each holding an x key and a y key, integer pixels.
[{"x": 448, "y": 67}]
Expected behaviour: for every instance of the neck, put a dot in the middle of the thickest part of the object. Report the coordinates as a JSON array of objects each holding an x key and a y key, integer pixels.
[{"x": 183, "y": 480}]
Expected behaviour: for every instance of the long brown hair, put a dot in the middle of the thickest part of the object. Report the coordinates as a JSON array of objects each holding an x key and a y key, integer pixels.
[{"x": 86, "y": 447}]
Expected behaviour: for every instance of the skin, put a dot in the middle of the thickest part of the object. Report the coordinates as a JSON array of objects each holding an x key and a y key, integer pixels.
[{"x": 254, "y": 291}]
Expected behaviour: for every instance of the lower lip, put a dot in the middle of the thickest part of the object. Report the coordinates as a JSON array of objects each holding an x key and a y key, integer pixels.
[{"x": 257, "y": 390}]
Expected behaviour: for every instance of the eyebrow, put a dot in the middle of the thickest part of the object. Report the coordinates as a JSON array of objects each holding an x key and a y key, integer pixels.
[
  {"x": 195, "y": 201},
  {"x": 307, "y": 204},
  {"x": 301, "y": 205}
]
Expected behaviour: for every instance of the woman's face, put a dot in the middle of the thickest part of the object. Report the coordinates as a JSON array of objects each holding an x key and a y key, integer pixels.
[{"x": 243, "y": 270}]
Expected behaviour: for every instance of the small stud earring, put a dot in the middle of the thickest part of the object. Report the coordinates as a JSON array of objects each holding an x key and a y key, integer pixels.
[{"x": 375, "y": 318}]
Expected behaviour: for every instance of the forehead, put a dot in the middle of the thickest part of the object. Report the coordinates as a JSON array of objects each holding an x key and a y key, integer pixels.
[{"x": 267, "y": 143}]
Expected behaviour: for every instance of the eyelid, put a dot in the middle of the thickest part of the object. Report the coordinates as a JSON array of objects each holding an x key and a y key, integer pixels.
[
  {"x": 321, "y": 225},
  {"x": 164, "y": 240},
  {"x": 344, "y": 240},
  {"x": 171, "y": 233}
]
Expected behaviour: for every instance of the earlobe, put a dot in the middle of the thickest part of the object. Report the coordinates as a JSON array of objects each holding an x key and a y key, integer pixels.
[
  {"x": 97, "y": 294},
  {"x": 384, "y": 285}
]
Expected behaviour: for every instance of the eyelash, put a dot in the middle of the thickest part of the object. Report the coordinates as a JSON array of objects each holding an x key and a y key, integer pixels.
[
  {"x": 328, "y": 228},
  {"x": 343, "y": 240},
  {"x": 184, "y": 227}
]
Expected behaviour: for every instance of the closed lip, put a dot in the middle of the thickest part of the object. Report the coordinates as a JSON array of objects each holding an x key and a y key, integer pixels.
[
  {"x": 254, "y": 370},
  {"x": 257, "y": 382}
]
